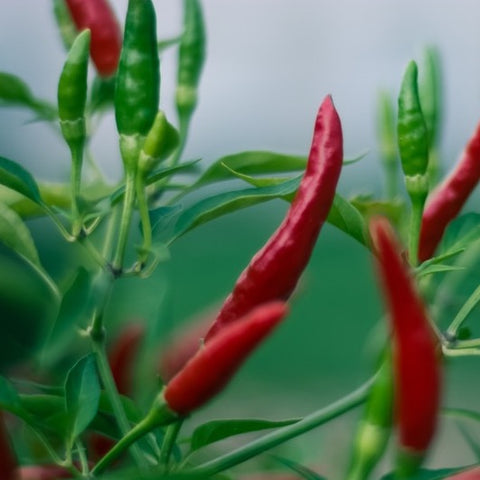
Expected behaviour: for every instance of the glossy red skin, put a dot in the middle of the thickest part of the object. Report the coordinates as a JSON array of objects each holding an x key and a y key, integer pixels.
[
  {"x": 417, "y": 367},
  {"x": 446, "y": 201},
  {"x": 106, "y": 40},
  {"x": 210, "y": 369},
  {"x": 122, "y": 355},
  {"x": 8, "y": 461},
  {"x": 274, "y": 271},
  {"x": 42, "y": 472}
]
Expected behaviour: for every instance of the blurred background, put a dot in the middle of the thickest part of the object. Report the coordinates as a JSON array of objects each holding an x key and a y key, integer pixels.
[{"x": 269, "y": 65}]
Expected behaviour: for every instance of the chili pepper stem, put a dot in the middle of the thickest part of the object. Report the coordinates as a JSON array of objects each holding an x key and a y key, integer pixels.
[
  {"x": 169, "y": 442},
  {"x": 417, "y": 187},
  {"x": 345, "y": 404},
  {"x": 144, "y": 217},
  {"x": 125, "y": 220},
  {"x": 462, "y": 315},
  {"x": 159, "y": 415},
  {"x": 75, "y": 182}
]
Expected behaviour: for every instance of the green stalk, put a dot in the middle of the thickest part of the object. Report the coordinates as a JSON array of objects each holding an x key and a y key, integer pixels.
[
  {"x": 128, "y": 204},
  {"x": 169, "y": 442},
  {"x": 414, "y": 232},
  {"x": 462, "y": 315},
  {"x": 144, "y": 217},
  {"x": 75, "y": 182},
  {"x": 283, "y": 434}
]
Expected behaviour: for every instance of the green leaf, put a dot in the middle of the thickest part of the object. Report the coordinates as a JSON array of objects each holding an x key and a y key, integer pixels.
[
  {"x": 251, "y": 162},
  {"x": 213, "y": 207},
  {"x": 437, "y": 268},
  {"x": 14, "y": 176},
  {"x": 73, "y": 308},
  {"x": 82, "y": 394},
  {"x": 461, "y": 233},
  {"x": 168, "y": 42},
  {"x": 15, "y": 235},
  {"x": 424, "y": 474},
  {"x": 257, "y": 181},
  {"x": 10, "y": 399},
  {"x": 462, "y": 413},
  {"x": 217, "y": 430},
  {"x": 301, "y": 470},
  {"x": 47, "y": 412},
  {"x": 369, "y": 206},
  {"x": 15, "y": 92},
  {"x": 347, "y": 218}
]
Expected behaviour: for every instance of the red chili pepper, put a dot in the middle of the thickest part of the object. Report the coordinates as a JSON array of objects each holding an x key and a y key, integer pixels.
[
  {"x": 447, "y": 199},
  {"x": 42, "y": 472},
  {"x": 106, "y": 42},
  {"x": 122, "y": 355},
  {"x": 276, "y": 268},
  {"x": 183, "y": 345},
  {"x": 8, "y": 461},
  {"x": 417, "y": 368},
  {"x": 210, "y": 369}
]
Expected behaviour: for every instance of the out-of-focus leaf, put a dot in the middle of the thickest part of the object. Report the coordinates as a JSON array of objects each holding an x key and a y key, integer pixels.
[
  {"x": 347, "y": 218},
  {"x": 14, "y": 176},
  {"x": 300, "y": 470},
  {"x": 217, "y": 430}
]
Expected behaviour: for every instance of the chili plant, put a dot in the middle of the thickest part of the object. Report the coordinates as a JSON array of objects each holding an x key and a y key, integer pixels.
[{"x": 75, "y": 404}]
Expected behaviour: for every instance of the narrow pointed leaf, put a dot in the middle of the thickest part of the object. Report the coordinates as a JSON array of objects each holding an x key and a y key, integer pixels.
[{"x": 14, "y": 176}]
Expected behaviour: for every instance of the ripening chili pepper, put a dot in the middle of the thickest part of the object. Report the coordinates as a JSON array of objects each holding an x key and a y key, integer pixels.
[
  {"x": 8, "y": 461},
  {"x": 373, "y": 432},
  {"x": 210, "y": 369},
  {"x": 274, "y": 271},
  {"x": 72, "y": 91},
  {"x": 416, "y": 363},
  {"x": 161, "y": 141},
  {"x": 138, "y": 79},
  {"x": 413, "y": 144},
  {"x": 446, "y": 201},
  {"x": 411, "y": 128},
  {"x": 183, "y": 345},
  {"x": 122, "y": 355},
  {"x": 191, "y": 58},
  {"x": 99, "y": 18}
]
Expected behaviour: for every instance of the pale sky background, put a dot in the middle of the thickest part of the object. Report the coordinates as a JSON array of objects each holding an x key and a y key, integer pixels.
[{"x": 269, "y": 65}]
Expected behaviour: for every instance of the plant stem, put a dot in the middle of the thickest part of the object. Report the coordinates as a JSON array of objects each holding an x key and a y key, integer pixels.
[
  {"x": 462, "y": 315},
  {"x": 75, "y": 182},
  {"x": 128, "y": 204},
  {"x": 169, "y": 442},
  {"x": 415, "y": 226},
  {"x": 144, "y": 217},
  {"x": 283, "y": 434}
]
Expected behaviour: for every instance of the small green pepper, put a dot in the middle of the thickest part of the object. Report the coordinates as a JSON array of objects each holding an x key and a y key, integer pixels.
[
  {"x": 373, "y": 432},
  {"x": 72, "y": 91},
  {"x": 161, "y": 141},
  {"x": 138, "y": 80},
  {"x": 191, "y": 58}
]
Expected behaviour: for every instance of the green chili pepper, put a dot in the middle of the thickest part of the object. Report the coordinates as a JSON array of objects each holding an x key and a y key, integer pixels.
[
  {"x": 72, "y": 97},
  {"x": 411, "y": 128},
  {"x": 66, "y": 27},
  {"x": 161, "y": 140},
  {"x": 138, "y": 80},
  {"x": 191, "y": 58},
  {"x": 72, "y": 90},
  {"x": 373, "y": 432},
  {"x": 413, "y": 144}
]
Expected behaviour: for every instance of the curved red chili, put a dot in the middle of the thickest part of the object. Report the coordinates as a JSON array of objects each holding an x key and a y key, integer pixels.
[
  {"x": 210, "y": 369},
  {"x": 106, "y": 43},
  {"x": 274, "y": 271},
  {"x": 417, "y": 368},
  {"x": 446, "y": 201}
]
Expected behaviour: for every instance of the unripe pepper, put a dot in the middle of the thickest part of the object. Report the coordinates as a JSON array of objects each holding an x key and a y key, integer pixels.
[
  {"x": 210, "y": 369},
  {"x": 98, "y": 17},
  {"x": 446, "y": 201},
  {"x": 138, "y": 79},
  {"x": 416, "y": 363},
  {"x": 373, "y": 432},
  {"x": 274, "y": 271},
  {"x": 72, "y": 91},
  {"x": 66, "y": 26},
  {"x": 191, "y": 58}
]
